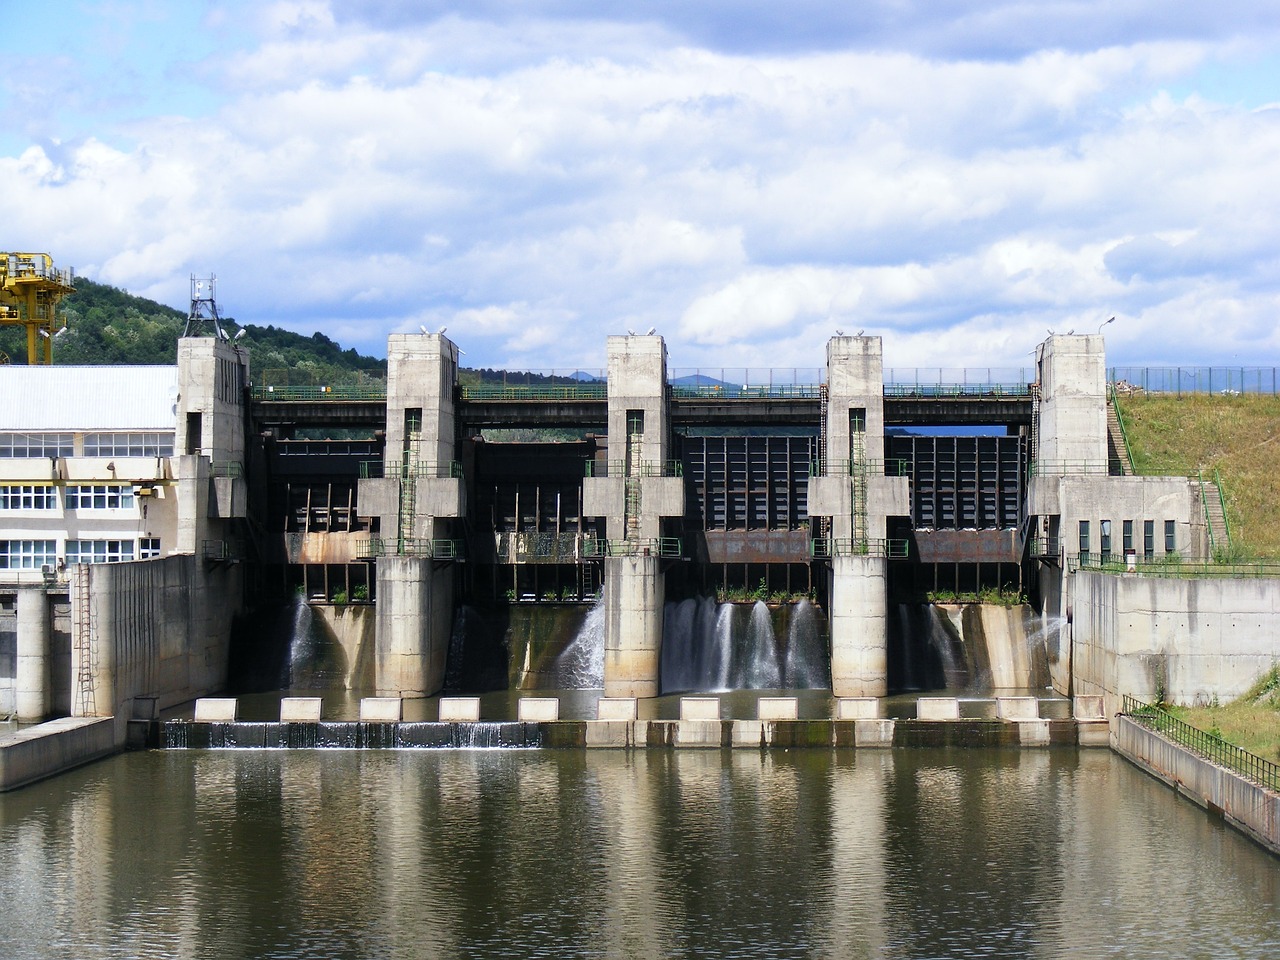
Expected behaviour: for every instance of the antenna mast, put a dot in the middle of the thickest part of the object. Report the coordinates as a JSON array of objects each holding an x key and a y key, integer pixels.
[{"x": 204, "y": 308}]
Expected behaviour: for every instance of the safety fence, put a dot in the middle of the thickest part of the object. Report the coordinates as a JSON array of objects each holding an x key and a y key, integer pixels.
[{"x": 1211, "y": 747}]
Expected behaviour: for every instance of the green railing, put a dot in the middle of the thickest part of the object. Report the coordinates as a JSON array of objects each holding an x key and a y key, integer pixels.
[
  {"x": 746, "y": 391},
  {"x": 408, "y": 547},
  {"x": 1124, "y": 431},
  {"x": 1071, "y": 468},
  {"x": 1222, "y": 499},
  {"x": 942, "y": 390},
  {"x": 646, "y": 468},
  {"x": 669, "y": 547},
  {"x": 381, "y": 469},
  {"x": 824, "y": 548},
  {"x": 283, "y": 392},
  {"x": 587, "y": 390},
  {"x": 1172, "y": 566},
  {"x": 227, "y": 468},
  {"x": 1212, "y": 748},
  {"x": 845, "y": 468}
]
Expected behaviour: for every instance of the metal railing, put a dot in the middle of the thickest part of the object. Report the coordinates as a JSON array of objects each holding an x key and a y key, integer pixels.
[
  {"x": 845, "y": 468},
  {"x": 646, "y": 468},
  {"x": 226, "y": 468},
  {"x": 1171, "y": 566},
  {"x": 1015, "y": 390},
  {"x": 586, "y": 390},
  {"x": 382, "y": 469},
  {"x": 1068, "y": 468},
  {"x": 332, "y": 392},
  {"x": 217, "y": 550},
  {"x": 669, "y": 547},
  {"x": 1014, "y": 378},
  {"x": 824, "y": 548},
  {"x": 1212, "y": 748},
  {"x": 742, "y": 383},
  {"x": 1227, "y": 381},
  {"x": 541, "y": 547},
  {"x": 408, "y": 547}
]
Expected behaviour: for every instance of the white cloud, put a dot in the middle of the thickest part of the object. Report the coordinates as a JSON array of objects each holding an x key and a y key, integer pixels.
[{"x": 542, "y": 193}]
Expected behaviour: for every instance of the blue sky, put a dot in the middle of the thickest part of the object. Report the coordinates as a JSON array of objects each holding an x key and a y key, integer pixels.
[{"x": 958, "y": 177}]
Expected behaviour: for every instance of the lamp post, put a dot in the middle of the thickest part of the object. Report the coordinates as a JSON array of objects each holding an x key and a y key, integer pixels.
[{"x": 1104, "y": 323}]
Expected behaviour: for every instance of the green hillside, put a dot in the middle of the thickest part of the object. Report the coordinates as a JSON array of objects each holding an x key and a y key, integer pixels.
[
  {"x": 106, "y": 325},
  {"x": 1236, "y": 436}
]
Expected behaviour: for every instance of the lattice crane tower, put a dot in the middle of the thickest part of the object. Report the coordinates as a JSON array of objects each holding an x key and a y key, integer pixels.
[{"x": 30, "y": 288}]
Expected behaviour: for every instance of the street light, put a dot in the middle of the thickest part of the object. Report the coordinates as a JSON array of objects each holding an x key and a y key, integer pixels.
[{"x": 1104, "y": 323}]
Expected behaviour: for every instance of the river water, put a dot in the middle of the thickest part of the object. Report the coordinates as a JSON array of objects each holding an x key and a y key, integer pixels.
[{"x": 487, "y": 853}]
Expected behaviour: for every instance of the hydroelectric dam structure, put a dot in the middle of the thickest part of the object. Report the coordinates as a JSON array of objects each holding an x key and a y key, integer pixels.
[{"x": 137, "y": 537}]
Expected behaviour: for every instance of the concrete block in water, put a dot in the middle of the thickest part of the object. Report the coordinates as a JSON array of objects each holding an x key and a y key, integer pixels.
[
  {"x": 747, "y": 733},
  {"x": 858, "y": 708},
  {"x": 937, "y": 708},
  {"x": 300, "y": 709},
  {"x": 1017, "y": 708},
  {"x": 538, "y": 709},
  {"x": 699, "y": 733},
  {"x": 1033, "y": 733},
  {"x": 459, "y": 709},
  {"x": 778, "y": 708},
  {"x": 1087, "y": 708},
  {"x": 609, "y": 733},
  {"x": 1093, "y": 733},
  {"x": 380, "y": 709},
  {"x": 873, "y": 733},
  {"x": 616, "y": 708},
  {"x": 34, "y": 753},
  {"x": 217, "y": 710},
  {"x": 699, "y": 708}
]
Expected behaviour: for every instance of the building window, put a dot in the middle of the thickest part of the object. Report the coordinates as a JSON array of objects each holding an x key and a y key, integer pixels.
[
  {"x": 27, "y": 554},
  {"x": 1128, "y": 537},
  {"x": 1084, "y": 538},
  {"x": 1170, "y": 537},
  {"x": 128, "y": 444},
  {"x": 1105, "y": 535},
  {"x": 37, "y": 497},
  {"x": 1149, "y": 539},
  {"x": 99, "y": 551},
  {"x": 30, "y": 445},
  {"x": 100, "y": 496},
  {"x": 148, "y": 548}
]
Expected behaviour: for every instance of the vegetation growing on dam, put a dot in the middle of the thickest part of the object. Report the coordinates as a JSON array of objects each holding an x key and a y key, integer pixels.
[{"x": 1236, "y": 436}]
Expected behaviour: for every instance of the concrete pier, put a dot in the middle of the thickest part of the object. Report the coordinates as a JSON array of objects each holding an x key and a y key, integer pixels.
[{"x": 33, "y": 697}]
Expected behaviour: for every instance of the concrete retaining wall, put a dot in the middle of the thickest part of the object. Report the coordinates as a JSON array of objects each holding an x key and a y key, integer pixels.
[
  {"x": 1247, "y": 806},
  {"x": 41, "y": 751},
  {"x": 1188, "y": 639}
]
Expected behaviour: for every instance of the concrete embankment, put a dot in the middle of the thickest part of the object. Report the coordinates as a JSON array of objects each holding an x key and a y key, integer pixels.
[
  {"x": 1247, "y": 806},
  {"x": 51, "y": 748}
]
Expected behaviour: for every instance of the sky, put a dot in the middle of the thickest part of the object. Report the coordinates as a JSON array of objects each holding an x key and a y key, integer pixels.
[{"x": 960, "y": 178}]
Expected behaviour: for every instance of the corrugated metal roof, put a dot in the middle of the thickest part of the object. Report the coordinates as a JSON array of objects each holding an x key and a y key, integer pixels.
[{"x": 88, "y": 398}]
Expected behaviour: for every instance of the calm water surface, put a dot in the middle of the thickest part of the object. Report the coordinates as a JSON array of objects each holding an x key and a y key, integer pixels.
[{"x": 906, "y": 853}]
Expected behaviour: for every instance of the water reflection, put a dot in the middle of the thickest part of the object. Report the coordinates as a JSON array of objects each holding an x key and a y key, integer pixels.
[{"x": 906, "y": 853}]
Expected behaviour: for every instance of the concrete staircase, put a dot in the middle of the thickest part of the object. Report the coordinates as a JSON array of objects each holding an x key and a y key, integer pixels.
[
  {"x": 1118, "y": 463},
  {"x": 1219, "y": 532}
]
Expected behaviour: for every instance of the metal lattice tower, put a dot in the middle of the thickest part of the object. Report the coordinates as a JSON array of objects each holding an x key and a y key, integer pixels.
[{"x": 204, "y": 308}]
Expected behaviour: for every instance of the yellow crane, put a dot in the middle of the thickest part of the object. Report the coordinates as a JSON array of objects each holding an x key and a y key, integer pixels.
[{"x": 30, "y": 288}]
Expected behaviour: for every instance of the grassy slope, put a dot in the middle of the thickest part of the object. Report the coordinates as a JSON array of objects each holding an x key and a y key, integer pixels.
[{"x": 1237, "y": 436}]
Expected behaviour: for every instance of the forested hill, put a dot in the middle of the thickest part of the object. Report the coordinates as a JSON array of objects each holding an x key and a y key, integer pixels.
[{"x": 106, "y": 325}]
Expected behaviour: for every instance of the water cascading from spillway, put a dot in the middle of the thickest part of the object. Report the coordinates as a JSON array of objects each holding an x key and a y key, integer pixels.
[
  {"x": 581, "y": 666},
  {"x": 709, "y": 646}
]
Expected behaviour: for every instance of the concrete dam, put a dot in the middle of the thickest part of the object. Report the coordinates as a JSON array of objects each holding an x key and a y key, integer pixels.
[{"x": 635, "y": 531}]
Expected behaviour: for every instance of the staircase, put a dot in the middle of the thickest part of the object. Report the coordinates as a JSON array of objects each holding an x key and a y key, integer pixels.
[
  {"x": 1119, "y": 457},
  {"x": 1215, "y": 517}
]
